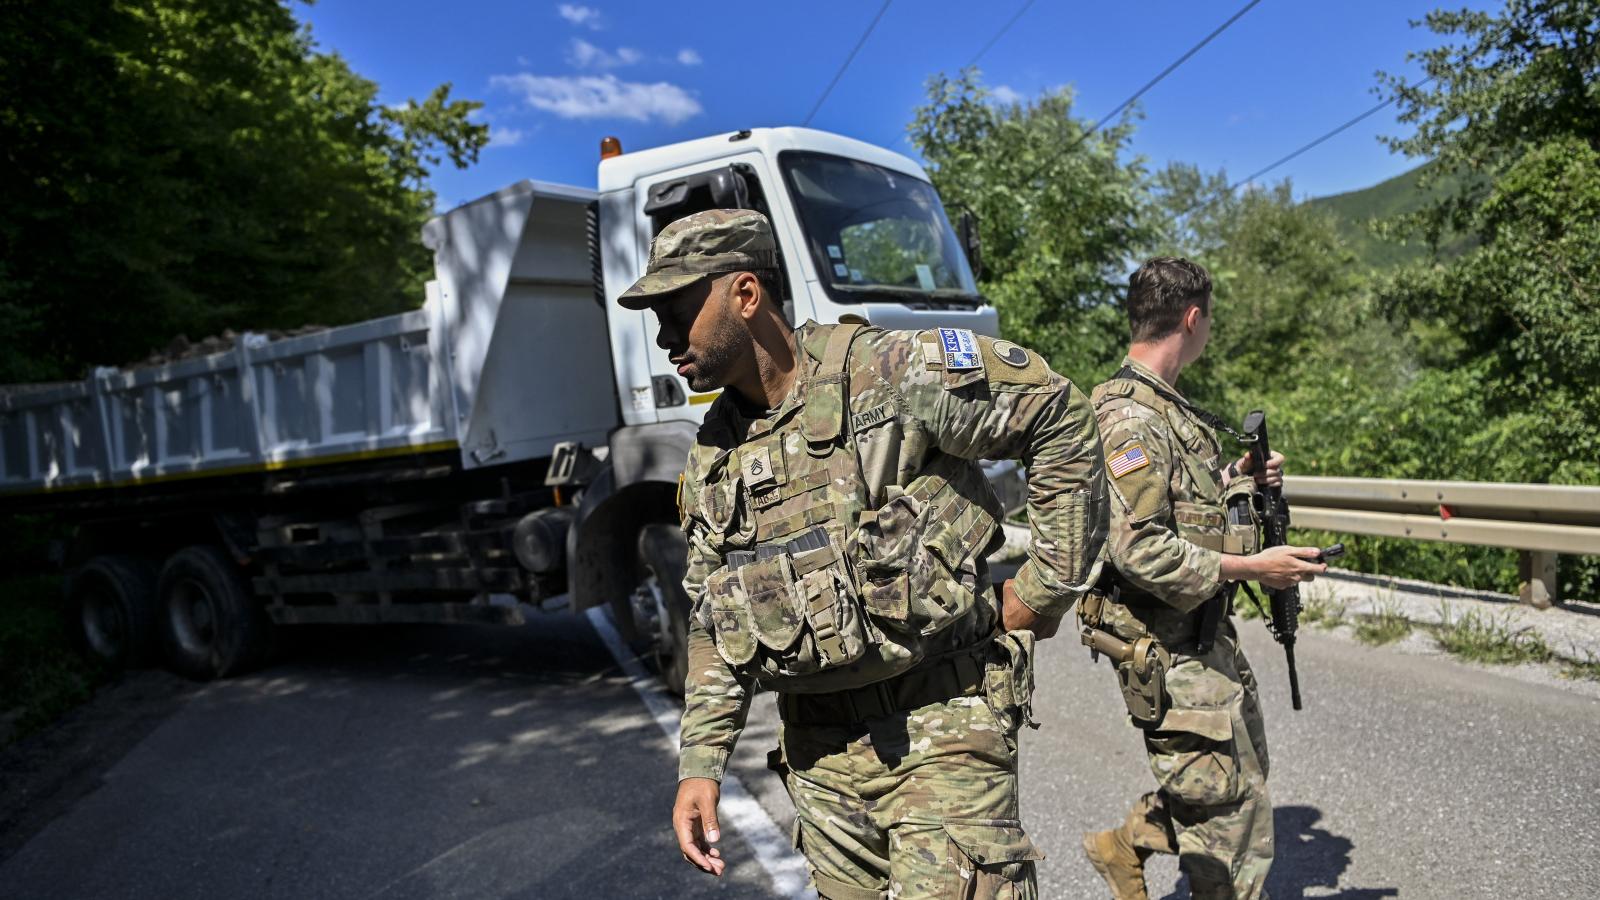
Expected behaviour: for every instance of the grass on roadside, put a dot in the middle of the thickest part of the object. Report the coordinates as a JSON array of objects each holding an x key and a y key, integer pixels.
[
  {"x": 1385, "y": 626},
  {"x": 1317, "y": 607},
  {"x": 1587, "y": 669},
  {"x": 1481, "y": 638},
  {"x": 42, "y": 674},
  {"x": 1322, "y": 609}
]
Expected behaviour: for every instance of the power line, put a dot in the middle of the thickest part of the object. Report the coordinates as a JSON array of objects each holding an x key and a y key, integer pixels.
[
  {"x": 1000, "y": 34},
  {"x": 1164, "y": 73},
  {"x": 847, "y": 60},
  {"x": 988, "y": 45},
  {"x": 1067, "y": 148},
  {"x": 1260, "y": 172}
]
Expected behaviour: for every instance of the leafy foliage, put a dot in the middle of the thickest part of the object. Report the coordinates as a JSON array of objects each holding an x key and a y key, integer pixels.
[
  {"x": 1059, "y": 214},
  {"x": 186, "y": 166}
]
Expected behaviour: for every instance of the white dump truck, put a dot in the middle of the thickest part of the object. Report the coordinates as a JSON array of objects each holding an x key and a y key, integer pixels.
[{"x": 514, "y": 441}]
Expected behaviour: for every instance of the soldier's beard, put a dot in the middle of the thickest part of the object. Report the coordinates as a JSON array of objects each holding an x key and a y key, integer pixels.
[{"x": 712, "y": 365}]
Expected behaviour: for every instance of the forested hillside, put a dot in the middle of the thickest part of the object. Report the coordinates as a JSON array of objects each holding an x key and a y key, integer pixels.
[{"x": 1355, "y": 214}]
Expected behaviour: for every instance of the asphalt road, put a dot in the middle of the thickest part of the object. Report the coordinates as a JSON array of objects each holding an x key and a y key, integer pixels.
[
  {"x": 499, "y": 763},
  {"x": 471, "y": 762}
]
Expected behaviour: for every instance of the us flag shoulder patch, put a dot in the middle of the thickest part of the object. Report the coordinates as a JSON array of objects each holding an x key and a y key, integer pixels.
[{"x": 1129, "y": 460}]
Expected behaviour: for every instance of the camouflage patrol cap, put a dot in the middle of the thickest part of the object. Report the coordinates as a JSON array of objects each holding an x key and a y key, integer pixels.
[{"x": 699, "y": 246}]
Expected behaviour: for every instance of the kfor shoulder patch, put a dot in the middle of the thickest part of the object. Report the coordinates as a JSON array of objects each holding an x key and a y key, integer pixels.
[
  {"x": 1130, "y": 460},
  {"x": 960, "y": 349}
]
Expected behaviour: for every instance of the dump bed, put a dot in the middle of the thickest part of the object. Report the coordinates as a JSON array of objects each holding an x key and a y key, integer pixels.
[{"x": 507, "y": 356}]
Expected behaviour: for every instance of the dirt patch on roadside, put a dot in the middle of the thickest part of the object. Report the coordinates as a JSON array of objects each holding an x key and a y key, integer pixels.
[{"x": 44, "y": 774}]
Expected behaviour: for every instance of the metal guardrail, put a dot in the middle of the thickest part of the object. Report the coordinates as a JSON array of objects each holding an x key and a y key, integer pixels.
[{"x": 1541, "y": 520}]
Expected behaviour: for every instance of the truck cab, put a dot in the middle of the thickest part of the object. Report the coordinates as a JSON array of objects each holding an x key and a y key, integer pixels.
[{"x": 860, "y": 230}]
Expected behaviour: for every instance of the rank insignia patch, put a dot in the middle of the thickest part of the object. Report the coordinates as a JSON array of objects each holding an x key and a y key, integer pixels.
[
  {"x": 1129, "y": 460},
  {"x": 757, "y": 466}
]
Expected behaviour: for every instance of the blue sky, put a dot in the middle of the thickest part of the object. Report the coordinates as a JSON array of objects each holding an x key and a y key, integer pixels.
[{"x": 556, "y": 77}]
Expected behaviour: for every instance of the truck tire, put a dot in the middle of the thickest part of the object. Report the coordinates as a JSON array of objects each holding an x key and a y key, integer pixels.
[
  {"x": 210, "y": 622},
  {"x": 663, "y": 559},
  {"x": 111, "y": 605}
]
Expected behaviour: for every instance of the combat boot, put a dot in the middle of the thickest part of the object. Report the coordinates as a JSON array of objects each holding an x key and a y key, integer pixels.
[{"x": 1113, "y": 855}]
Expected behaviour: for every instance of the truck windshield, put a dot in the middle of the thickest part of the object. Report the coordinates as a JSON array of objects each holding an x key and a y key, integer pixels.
[{"x": 876, "y": 234}]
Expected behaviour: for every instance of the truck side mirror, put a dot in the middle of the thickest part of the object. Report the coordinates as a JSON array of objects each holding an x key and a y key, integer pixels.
[
  {"x": 728, "y": 189},
  {"x": 971, "y": 243}
]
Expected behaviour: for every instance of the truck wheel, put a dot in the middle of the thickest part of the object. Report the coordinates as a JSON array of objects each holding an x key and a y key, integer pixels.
[
  {"x": 112, "y": 608},
  {"x": 211, "y": 623},
  {"x": 663, "y": 558}
]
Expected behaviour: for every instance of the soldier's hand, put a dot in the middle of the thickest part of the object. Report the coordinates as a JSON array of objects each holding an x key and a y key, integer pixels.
[
  {"x": 1018, "y": 616},
  {"x": 1272, "y": 477},
  {"x": 1285, "y": 566},
  {"x": 694, "y": 820}
]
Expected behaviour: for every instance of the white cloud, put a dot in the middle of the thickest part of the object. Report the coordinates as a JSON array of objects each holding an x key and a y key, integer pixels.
[
  {"x": 506, "y": 137},
  {"x": 1005, "y": 94},
  {"x": 602, "y": 97},
  {"x": 586, "y": 16},
  {"x": 584, "y": 55},
  {"x": 687, "y": 57}
]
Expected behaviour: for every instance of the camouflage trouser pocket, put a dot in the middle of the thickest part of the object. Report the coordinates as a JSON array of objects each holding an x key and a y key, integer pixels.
[
  {"x": 1194, "y": 757},
  {"x": 991, "y": 860}
]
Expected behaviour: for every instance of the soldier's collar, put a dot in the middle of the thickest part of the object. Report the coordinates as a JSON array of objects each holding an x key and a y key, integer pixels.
[
  {"x": 811, "y": 339},
  {"x": 1149, "y": 373}
]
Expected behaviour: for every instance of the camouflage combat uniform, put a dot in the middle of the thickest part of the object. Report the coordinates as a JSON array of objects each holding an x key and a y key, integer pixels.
[
  {"x": 837, "y": 557},
  {"x": 1168, "y": 532}
]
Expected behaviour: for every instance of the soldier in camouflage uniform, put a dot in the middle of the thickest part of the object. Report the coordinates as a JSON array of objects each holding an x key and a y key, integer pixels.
[
  {"x": 838, "y": 524},
  {"x": 1174, "y": 549}
]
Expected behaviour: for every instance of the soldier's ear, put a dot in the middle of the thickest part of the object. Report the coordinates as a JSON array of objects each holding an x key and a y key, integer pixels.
[
  {"x": 1191, "y": 318},
  {"x": 746, "y": 293}
]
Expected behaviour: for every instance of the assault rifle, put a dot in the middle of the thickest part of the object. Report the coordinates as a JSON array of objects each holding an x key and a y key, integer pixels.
[{"x": 1273, "y": 513}]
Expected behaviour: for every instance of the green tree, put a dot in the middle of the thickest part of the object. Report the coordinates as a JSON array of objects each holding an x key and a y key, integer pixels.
[
  {"x": 186, "y": 166},
  {"x": 1513, "y": 110},
  {"x": 1061, "y": 215}
]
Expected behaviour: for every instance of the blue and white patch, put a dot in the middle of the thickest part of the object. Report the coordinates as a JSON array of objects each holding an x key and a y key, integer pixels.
[{"x": 960, "y": 349}]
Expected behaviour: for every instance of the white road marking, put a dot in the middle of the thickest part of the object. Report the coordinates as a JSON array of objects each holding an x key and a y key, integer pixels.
[{"x": 738, "y": 808}]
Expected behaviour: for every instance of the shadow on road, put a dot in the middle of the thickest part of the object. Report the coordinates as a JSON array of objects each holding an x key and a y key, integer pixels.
[
  {"x": 394, "y": 762},
  {"x": 1307, "y": 857}
]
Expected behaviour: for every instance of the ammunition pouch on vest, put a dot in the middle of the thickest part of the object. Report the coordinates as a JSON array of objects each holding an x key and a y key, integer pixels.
[
  {"x": 916, "y": 555},
  {"x": 826, "y": 578}
]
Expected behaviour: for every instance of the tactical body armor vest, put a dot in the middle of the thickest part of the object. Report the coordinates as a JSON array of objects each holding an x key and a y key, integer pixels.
[
  {"x": 820, "y": 590},
  {"x": 1209, "y": 515},
  {"x": 1203, "y": 519}
]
